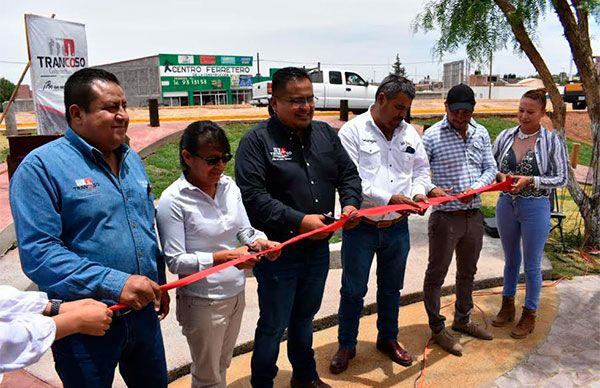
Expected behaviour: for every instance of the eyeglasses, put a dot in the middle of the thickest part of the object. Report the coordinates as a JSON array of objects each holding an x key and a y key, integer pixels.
[
  {"x": 213, "y": 160},
  {"x": 298, "y": 102}
]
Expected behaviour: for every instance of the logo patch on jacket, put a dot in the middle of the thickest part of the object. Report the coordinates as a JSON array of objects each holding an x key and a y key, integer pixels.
[
  {"x": 281, "y": 154},
  {"x": 85, "y": 184}
]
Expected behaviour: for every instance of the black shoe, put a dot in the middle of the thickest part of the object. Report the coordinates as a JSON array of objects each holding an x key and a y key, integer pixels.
[
  {"x": 395, "y": 352},
  {"x": 339, "y": 362},
  {"x": 318, "y": 383}
]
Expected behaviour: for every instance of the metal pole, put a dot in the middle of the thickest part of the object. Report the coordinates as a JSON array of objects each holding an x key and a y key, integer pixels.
[
  {"x": 344, "y": 110},
  {"x": 14, "y": 93},
  {"x": 258, "y": 63}
]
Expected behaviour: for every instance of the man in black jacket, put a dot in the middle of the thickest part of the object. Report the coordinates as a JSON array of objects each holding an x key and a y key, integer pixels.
[{"x": 288, "y": 168}]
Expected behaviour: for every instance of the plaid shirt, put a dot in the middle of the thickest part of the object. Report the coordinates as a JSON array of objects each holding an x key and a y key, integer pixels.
[
  {"x": 550, "y": 154},
  {"x": 459, "y": 164}
]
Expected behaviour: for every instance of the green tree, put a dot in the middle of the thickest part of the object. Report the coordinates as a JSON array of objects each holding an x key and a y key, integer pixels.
[
  {"x": 397, "y": 67},
  {"x": 484, "y": 26},
  {"x": 6, "y": 90}
]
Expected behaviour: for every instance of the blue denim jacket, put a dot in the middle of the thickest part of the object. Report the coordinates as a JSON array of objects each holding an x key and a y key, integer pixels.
[{"x": 81, "y": 230}]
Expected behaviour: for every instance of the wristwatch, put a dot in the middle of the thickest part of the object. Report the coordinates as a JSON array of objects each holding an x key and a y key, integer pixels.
[{"x": 54, "y": 306}]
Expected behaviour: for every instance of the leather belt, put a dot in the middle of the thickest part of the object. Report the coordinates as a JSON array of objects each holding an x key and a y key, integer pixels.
[
  {"x": 463, "y": 213},
  {"x": 382, "y": 224},
  {"x": 121, "y": 312}
]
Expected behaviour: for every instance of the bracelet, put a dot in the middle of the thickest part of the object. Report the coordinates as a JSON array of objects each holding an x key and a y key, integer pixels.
[{"x": 54, "y": 307}]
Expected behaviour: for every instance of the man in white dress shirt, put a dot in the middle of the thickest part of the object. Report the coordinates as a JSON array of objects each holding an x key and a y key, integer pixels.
[{"x": 393, "y": 166}]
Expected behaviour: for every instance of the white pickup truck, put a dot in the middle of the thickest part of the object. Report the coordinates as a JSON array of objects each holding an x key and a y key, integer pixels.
[{"x": 330, "y": 86}]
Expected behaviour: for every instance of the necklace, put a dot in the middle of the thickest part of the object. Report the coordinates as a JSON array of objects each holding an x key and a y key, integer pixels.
[{"x": 524, "y": 136}]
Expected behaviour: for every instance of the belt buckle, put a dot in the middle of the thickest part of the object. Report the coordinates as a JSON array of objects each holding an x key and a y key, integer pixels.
[{"x": 121, "y": 312}]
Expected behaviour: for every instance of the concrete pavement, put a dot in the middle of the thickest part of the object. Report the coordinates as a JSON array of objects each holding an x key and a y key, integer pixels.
[
  {"x": 570, "y": 354},
  {"x": 563, "y": 351},
  {"x": 178, "y": 359}
]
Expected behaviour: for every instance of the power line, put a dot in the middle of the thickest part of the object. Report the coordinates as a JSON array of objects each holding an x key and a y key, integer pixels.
[
  {"x": 359, "y": 64},
  {"x": 14, "y": 62}
]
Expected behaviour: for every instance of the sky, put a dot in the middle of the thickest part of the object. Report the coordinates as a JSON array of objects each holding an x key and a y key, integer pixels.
[{"x": 363, "y": 36}]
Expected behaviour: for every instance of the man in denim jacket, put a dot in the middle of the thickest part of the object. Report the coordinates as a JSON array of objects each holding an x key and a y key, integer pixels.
[{"x": 84, "y": 218}]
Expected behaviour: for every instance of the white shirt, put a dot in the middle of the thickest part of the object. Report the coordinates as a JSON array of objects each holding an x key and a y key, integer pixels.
[
  {"x": 386, "y": 167},
  {"x": 25, "y": 334},
  {"x": 192, "y": 226}
]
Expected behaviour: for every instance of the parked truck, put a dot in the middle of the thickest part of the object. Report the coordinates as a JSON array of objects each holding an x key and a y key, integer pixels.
[
  {"x": 330, "y": 87},
  {"x": 575, "y": 95},
  {"x": 574, "y": 92}
]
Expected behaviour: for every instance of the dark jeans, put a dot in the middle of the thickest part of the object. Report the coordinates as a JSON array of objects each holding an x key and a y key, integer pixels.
[
  {"x": 290, "y": 291},
  {"x": 460, "y": 231},
  {"x": 134, "y": 341},
  {"x": 358, "y": 247}
]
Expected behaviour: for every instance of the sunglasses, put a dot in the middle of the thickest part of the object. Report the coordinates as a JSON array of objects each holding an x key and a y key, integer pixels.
[{"x": 215, "y": 159}]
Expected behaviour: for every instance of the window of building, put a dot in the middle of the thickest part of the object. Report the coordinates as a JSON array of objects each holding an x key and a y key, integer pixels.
[
  {"x": 210, "y": 97},
  {"x": 241, "y": 96},
  {"x": 175, "y": 101}
]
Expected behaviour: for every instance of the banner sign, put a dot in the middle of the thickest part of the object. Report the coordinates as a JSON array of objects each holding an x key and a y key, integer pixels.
[{"x": 56, "y": 50}]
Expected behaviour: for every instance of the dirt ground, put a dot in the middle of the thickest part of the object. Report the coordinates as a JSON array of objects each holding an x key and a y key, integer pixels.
[{"x": 577, "y": 124}]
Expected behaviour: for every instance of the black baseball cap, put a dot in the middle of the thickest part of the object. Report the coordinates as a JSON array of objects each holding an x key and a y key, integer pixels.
[{"x": 460, "y": 97}]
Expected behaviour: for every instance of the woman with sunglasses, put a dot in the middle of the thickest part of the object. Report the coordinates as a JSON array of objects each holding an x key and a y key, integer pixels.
[
  {"x": 202, "y": 223},
  {"x": 537, "y": 159}
]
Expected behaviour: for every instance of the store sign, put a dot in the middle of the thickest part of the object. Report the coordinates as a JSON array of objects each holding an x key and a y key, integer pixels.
[
  {"x": 204, "y": 65},
  {"x": 57, "y": 49},
  {"x": 169, "y": 70}
]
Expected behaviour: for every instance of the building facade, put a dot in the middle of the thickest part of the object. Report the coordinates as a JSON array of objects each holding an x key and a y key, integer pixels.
[{"x": 185, "y": 79}]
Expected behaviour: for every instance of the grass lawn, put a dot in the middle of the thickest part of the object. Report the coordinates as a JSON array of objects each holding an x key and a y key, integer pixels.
[
  {"x": 564, "y": 263},
  {"x": 3, "y": 148},
  {"x": 163, "y": 168}
]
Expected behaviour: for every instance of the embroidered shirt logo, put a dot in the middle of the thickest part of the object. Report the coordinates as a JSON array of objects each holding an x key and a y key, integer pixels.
[
  {"x": 281, "y": 154},
  {"x": 85, "y": 184}
]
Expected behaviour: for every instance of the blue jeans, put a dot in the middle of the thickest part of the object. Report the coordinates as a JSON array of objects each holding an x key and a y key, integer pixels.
[
  {"x": 133, "y": 341},
  {"x": 358, "y": 247},
  {"x": 526, "y": 221},
  {"x": 290, "y": 291}
]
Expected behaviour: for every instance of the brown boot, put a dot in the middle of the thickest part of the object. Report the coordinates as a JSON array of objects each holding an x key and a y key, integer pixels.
[
  {"x": 526, "y": 324},
  {"x": 506, "y": 313}
]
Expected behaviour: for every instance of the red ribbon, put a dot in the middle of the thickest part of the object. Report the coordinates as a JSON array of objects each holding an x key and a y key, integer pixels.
[{"x": 373, "y": 211}]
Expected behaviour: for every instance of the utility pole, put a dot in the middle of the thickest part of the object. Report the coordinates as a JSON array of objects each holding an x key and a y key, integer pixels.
[{"x": 258, "y": 64}]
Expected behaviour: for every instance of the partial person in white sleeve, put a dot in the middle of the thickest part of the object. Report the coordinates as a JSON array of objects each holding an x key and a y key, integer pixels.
[
  {"x": 30, "y": 323},
  {"x": 201, "y": 222}
]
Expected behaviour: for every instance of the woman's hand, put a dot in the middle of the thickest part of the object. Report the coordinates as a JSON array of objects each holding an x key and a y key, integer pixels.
[
  {"x": 520, "y": 182},
  {"x": 226, "y": 255}
]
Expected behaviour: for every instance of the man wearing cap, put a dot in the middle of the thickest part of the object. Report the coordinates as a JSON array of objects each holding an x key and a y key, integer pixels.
[
  {"x": 460, "y": 157},
  {"x": 393, "y": 166}
]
